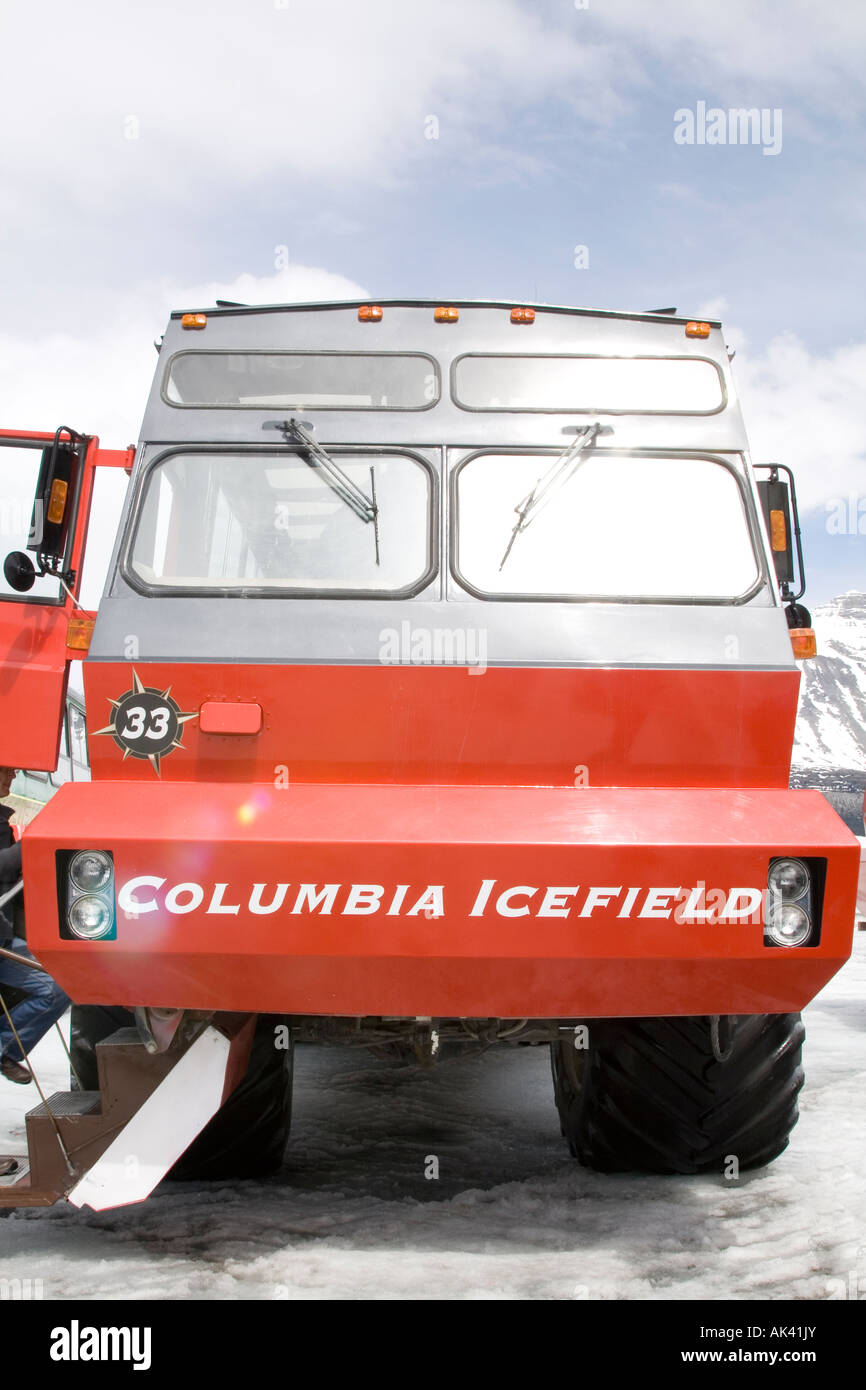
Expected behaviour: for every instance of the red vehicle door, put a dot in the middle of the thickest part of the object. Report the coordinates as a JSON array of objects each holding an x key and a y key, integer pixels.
[{"x": 45, "y": 493}]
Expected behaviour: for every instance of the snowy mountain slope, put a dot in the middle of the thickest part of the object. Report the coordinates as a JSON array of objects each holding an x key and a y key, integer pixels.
[{"x": 831, "y": 720}]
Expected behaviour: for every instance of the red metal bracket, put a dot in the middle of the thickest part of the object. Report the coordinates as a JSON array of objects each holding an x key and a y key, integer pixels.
[{"x": 116, "y": 458}]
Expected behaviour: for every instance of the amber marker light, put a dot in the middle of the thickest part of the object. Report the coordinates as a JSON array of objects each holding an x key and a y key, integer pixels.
[
  {"x": 803, "y": 643},
  {"x": 57, "y": 500},
  {"x": 778, "y": 530},
  {"x": 446, "y": 314},
  {"x": 697, "y": 330},
  {"x": 194, "y": 321},
  {"x": 79, "y": 630},
  {"x": 523, "y": 316},
  {"x": 370, "y": 313}
]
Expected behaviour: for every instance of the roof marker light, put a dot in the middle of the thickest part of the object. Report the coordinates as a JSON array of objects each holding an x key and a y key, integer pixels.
[
  {"x": 697, "y": 330},
  {"x": 370, "y": 313},
  {"x": 446, "y": 314},
  {"x": 193, "y": 321},
  {"x": 523, "y": 316}
]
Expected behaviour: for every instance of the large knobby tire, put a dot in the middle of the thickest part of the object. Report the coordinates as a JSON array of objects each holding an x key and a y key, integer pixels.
[
  {"x": 648, "y": 1095},
  {"x": 247, "y": 1137}
]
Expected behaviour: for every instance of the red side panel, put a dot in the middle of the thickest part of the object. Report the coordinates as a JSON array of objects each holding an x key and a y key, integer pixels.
[{"x": 506, "y": 726}]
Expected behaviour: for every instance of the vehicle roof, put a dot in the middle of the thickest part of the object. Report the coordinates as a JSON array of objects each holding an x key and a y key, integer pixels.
[{"x": 643, "y": 317}]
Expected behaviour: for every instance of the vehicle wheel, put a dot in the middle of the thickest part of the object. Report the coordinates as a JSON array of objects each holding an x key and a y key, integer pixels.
[
  {"x": 247, "y": 1137},
  {"x": 648, "y": 1095}
]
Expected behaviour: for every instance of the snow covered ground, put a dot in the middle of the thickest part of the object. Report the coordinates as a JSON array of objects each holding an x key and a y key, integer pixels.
[{"x": 511, "y": 1215}]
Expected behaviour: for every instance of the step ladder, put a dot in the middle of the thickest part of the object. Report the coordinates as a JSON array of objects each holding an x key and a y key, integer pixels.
[{"x": 111, "y": 1147}]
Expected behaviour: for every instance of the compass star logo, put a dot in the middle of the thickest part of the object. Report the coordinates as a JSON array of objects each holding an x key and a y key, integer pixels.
[{"x": 147, "y": 723}]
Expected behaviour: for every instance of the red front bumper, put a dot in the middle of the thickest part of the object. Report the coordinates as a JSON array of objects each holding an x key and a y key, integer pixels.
[{"x": 439, "y": 901}]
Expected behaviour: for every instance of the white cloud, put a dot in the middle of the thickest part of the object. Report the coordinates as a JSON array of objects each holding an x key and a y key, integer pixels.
[
  {"x": 713, "y": 308},
  {"x": 809, "y": 412},
  {"x": 123, "y": 98}
]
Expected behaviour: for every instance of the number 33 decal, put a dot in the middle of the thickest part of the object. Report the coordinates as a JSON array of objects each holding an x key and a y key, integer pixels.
[
  {"x": 155, "y": 720},
  {"x": 146, "y": 723}
]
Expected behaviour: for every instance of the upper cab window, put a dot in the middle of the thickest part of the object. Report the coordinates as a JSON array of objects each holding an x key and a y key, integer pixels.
[
  {"x": 598, "y": 385},
  {"x": 302, "y": 380}
]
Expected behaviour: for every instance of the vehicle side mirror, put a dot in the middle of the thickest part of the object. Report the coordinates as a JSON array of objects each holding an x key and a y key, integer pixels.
[
  {"x": 776, "y": 506},
  {"x": 779, "y": 505},
  {"x": 19, "y": 571},
  {"x": 54, "y": 501}
]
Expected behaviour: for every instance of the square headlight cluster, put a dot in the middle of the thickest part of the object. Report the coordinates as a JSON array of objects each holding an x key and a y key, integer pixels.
[
  {"x": 795, "y": 891},
  {"x": 85, "y": 882}
]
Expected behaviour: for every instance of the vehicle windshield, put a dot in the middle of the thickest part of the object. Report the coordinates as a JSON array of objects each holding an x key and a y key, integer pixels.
[
  {"x": 265, "y": 520},
  {"x": 302, "y": 380},
  {"x": 622, "y": 526}
]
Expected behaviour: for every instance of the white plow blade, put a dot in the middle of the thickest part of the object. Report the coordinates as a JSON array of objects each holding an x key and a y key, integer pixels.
[{"x": 161, "y": 1130}]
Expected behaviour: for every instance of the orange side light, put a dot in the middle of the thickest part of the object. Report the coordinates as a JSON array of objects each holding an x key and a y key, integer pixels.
[
  {"x": 803, "y": 642},
  {"x": 194, "y": 321},
  {"x": 57, "y": 500},
  {"x": 370, "y": 313},
  {"x": 446, "y": 315},
  {"x": 523, "y": 316},
  {"x": 697, "y": 330},
  {"x": 778, "y": 530},
  {"x": 79, "y": 630}
]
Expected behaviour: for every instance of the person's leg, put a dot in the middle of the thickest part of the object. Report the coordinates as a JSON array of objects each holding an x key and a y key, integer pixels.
[{"x": 33, "y": 1016}]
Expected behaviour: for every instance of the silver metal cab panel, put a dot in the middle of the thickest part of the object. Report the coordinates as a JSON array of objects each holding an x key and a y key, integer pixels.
[
  {"x": 480, "y": 329},
  {"x": 346, "y": 631},
  {"x": 749, "y": 634}
]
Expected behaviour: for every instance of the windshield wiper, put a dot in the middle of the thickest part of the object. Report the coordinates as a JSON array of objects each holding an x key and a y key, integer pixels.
[
  {"x": 365, "y": 508},
  {"x": 563, "y": 467}
]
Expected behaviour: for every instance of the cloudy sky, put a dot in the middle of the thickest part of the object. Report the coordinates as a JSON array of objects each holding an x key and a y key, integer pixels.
[{"x": 157, "y": 155}]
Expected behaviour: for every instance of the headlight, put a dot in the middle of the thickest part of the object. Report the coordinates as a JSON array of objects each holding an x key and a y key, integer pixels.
[
  {"x": 85, "y": 894},
  {"x": 90, "y": 870},
  {"x": 788, "y": 879},
  {"x": 787, "y": 924},
  {"x": 90, "y": 917}
]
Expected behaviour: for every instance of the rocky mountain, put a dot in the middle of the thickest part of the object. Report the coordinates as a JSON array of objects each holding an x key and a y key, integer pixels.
[
  {"x": 830, "y": 741},
  {"x": 831, "y": 720}
]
